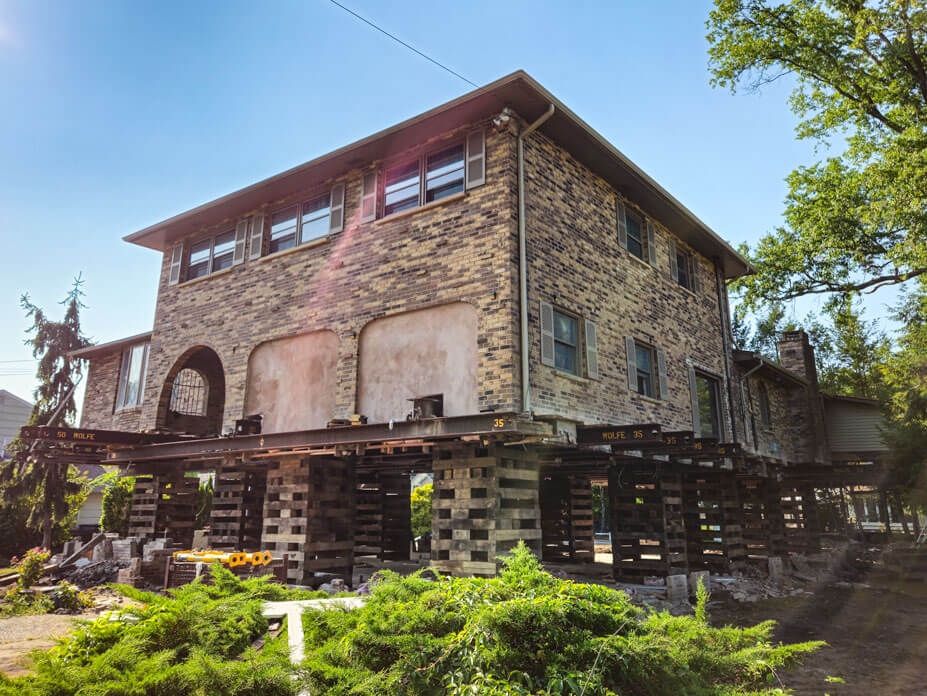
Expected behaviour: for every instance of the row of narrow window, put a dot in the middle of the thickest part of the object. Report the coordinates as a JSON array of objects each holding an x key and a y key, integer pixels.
[
  {"x": 407, "y": 185},
  {"x": 637, "y": 235},
  {"x": 564, "y": 338}
]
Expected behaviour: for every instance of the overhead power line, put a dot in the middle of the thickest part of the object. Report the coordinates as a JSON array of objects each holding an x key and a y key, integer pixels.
[{"x": 398, "y": 40}]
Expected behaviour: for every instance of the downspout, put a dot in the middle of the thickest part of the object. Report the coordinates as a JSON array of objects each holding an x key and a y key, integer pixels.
[
  {"x": 726, "y": 346},
  {"x": 523, "y": 260}
]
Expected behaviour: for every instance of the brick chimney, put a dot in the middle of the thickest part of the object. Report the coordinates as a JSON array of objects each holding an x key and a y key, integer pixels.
[{"x": 796, "y": 354}]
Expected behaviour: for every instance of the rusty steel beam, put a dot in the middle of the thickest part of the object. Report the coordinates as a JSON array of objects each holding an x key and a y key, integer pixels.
[{"x": 483, "y": 424}]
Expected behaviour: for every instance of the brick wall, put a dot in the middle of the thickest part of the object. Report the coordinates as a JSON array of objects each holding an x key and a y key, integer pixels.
[
  {"x": 461, "y": 250},
  {"x": 775, "y": 439},
  {"x": 100, "y": 397},
  {"x": 575, "y": 262}
]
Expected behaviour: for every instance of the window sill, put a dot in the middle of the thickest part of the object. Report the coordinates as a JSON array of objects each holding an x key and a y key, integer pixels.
[
  {"x": 570, "y": 376},
  {"x": 129, "y": 409},
  {"x": 648, "y": 399},
  {"x": 421, "y": 208},
  {"x": 302, "y": 247},
  {"x": 686, "y": 290},
  {"x": 643, "y": 263},
  {"x": 187, "y": 283}
]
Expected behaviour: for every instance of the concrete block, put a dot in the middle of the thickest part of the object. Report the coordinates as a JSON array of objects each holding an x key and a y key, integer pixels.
[
  {"x": 697, "y": 576},
  {"x": 677, "y": 588}
]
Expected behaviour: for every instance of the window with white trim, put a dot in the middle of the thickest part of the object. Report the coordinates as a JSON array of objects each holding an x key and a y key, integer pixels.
[
  {"x": 211, "y": 255},
  {"x": 707, "y": 399},
  {"x": 636, "y": 237},
  {"x": 430, "y": 177},
  {"x": 132, "y": 376},
  {"x": 566, "y": 339}
]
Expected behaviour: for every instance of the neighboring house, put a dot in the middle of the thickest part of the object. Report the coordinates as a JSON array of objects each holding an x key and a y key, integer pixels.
[
  {"x": 88, "y": 517},
  {"x": 14, "y": 414},
  {"x": 491, "y": 285}
]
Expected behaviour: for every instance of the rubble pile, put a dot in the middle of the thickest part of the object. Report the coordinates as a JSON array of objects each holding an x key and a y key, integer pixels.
[{"x": 93, "y": 573}]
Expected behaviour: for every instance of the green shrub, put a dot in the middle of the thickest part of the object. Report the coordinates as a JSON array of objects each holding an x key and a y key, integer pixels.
[
  {"x": 527, "y": 632},
  {"x": 195, "y": 641},
  {"x": 20, "y": 599},
  {"x": 68, "y": 596}
]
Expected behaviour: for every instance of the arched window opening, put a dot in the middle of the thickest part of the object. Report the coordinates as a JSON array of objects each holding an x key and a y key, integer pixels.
[
  {"x": 764, "y": 406},
  {"x": 189, "y": 393}
]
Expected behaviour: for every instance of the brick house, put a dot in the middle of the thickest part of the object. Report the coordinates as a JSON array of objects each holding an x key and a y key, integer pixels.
[{"x": 479, "y": 292}]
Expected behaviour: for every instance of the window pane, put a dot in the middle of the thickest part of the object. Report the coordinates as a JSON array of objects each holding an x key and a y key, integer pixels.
[
  {"x": 283, "y": 230},
  {"x": 134, "y": 381},
  {"x": 199, "y": 259},
  {"x": 565, "y": 357},
  {"x": 644, "y": 358},
  {"x": 223, "y": 251},
  {"x": 444, "y": 175},
  {"x": 682, "y": 263},
  {"x": 707, "y": 391},
  {"x": 635, "y": 242},
  {"x": 402, "y": 187},
  {"x": 315, "y": 218},
  {"x": 564, "y": 328}
]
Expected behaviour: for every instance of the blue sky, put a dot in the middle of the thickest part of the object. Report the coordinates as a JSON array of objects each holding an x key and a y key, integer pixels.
[{"x": 116, "y": 115}]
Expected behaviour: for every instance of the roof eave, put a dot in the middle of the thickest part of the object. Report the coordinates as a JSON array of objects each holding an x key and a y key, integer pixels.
[
  {"x": 110, "y": 346},
  {"x": 529, "y": 99}
]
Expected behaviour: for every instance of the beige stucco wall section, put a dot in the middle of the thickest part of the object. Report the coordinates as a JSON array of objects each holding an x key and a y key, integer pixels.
[
  {"x": 430, "y": 351},
  {"x": 292, "y": 382}
]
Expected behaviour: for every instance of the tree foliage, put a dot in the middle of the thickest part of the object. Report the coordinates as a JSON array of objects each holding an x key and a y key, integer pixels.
[
  {"x": 421, "y": 509},
  {"x": 117, "y": 505},
  {"x": 34, "y": 473},
  {"x": 857, "y": 220}
]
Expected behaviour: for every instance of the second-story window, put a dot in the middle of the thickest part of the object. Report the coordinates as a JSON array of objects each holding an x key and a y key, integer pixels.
[
  {"x": 430, "y": 178},
  {"x": 444, "y": 173},
  {"x": 283, "y": 227},
  {"x": 565, "y": 343},
  {"x": 211, "y": 255},
  {"x": 635, "y": 235},
  {"x": 314, "y": 223},
  {"x": 402, "y": 188},
  {"x": 682, "y": 267}
]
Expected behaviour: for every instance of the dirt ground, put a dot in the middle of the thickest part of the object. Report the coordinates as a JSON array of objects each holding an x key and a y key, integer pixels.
[
  {"x": 877, "y": 636},
  {"x": 20, "y": 635}
]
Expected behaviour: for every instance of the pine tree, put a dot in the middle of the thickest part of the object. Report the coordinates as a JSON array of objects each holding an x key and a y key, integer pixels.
[{"x": 34, "y": 472}]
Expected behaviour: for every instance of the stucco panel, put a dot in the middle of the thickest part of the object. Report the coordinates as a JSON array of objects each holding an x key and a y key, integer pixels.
[
  {"x": 430, "y": 351},
  {"x": 292, "y": 381}
]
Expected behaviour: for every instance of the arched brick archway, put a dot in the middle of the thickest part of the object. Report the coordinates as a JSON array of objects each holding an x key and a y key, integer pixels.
[{"x": 205, "y": 419}]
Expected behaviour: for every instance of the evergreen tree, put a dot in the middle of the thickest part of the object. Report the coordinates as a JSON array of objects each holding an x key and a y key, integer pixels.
[{"x": 34, "y": 472}]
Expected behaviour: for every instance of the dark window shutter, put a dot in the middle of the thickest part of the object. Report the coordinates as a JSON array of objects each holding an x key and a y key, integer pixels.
[
  {"x": 693, "y": 273},
  {"x": 369, "y": 197},
  {"x": 632, "y": 363},
  {"x": 693, "y": 388},
  {"x": 176, "y": 262},
  {"x": 651, "y": 243},
  {"x": 592, "y": 350},
  {"x": 241, "y": 236},
  {"x": 257, "y": 237},
  {"x": 661, "y": 372},
  {"x": 622, "y": 225},
  {"x": 674, "y": 262},
  {"x": 336, "y": 220},
  {"x": 476, "y": 159},
  {"x": 547, "y": 334}
]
